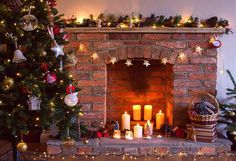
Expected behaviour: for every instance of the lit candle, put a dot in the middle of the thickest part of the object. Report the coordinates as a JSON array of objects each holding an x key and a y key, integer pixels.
[
  {"x": 116, "y": 134},
  {"x": 129, "y": 135},
  {"x": 125, "y": 120},
  {"x": 136, "y": 112},
  {"x": 138, "y": 131},
  {"x": 160, "y": 117},
  {"x": 148, "y": 128},
  {"x": 147, "y": 112}
]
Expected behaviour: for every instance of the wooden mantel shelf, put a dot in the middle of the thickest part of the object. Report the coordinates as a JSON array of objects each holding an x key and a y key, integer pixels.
[{"x": 191, "y": 30}]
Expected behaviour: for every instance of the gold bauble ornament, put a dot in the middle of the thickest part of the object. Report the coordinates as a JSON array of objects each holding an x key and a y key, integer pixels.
[
  {"x": 233, "y": 133},
  {"x": 85, "y": 141},
  {"x": 22, "y": 146},
  {"x": 231, "y": 113},
  {"x": 7, "y": 83}
]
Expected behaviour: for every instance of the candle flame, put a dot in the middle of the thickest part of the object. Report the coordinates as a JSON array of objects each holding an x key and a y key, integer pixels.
[
  {"x": 160, "y": 111},
  {"x": 125, "y": 112},
  {"x": 137, "y": 124},
  {"x": 148, "y": 121}
]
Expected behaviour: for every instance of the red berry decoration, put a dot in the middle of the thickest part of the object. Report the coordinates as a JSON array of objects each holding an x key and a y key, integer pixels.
[
  {"x": 70, "y": 89},
  {"x": 44, "y": 66},
  {"x": 51, "y": 77}
]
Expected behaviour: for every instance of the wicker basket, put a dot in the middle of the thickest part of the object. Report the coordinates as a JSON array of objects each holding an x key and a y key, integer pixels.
[{"x": 206, "y": 120}]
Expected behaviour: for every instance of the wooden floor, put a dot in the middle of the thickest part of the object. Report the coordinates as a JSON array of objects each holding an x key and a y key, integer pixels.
[{"x": 120, "y": 158}]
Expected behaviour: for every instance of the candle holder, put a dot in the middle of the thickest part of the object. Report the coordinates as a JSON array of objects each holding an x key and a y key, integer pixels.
[
  {"x": 129, "y": 135},
  {"x": 116, "y": 134}
]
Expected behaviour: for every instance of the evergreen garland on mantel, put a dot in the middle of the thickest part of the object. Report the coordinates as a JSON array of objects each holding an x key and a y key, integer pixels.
[{"x": 129, "y": 21}]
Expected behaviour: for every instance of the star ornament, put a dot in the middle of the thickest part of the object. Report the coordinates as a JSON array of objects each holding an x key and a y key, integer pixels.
[
  {"x": 58, "y": 50},
  {"x": 198, "y": 49},
  {"x": 146, "y": 63},
  {"x": 128, "y": 62},
  {"x": 182, "y": 56},
  {"x": 94, "y": 55},
  {"x": 113, "y": 60},
  {"x": 164, "y": 61}
]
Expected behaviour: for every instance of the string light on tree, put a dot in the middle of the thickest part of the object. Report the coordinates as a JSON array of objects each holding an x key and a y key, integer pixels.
[
  {"x": 128, "y": 62},
  {"x": 198, "y": 49},
  {"x": 164, "y": 61},
  {"x": 146, "y": 63}
]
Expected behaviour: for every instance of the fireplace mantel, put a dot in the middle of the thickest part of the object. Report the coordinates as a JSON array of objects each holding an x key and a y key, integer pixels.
[{"x": 157, "y": 30}]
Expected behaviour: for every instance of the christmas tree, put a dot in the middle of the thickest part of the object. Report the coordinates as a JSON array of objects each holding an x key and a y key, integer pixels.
[
  {"x": 229, "y": 110},
  {"x": 36, "y": 88}
]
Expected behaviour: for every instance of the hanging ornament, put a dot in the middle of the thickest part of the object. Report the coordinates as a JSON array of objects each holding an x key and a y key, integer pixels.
[
  {"x": 54, "y": 130},
  {"x": 61, "y": 65},
  {"x": 164, "y": 61},
  {"x": 71, "y": 99},
  {"x": 58, "y": 49},
  {"x": 13, "y": 4},
  {"x": 94, "y": 55},
  {"x": 113, "y": 60},
  {"x": 146, "y": 63},
  {"x": 233, "y": 133},
  {"x": 198, "y": 49},
  {"x": 43, "y": 53},
  {"x": 22, "y": 146},
  {"x": 70, "y": 89},
  {"x": 232, "y": 113},
  {"x": 28, "y": 22},
  {"x": 50, "y": 77},
  {"x": 34, "y": 103},
  {"x": 215, "y": 42},
  {"x": 71, "y": 59},
  {"x": 128, "y": 62},
  {"x": 18, "y": 55},
  {"x": 7, "y": 84}
]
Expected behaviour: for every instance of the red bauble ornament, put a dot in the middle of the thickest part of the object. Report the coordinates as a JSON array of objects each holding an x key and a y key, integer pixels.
[
  {"x": 51, "y": 77},
  {"x": 179, "y": 132},
  {"x": 70, "y": 89},
  {"x": 56, "y": 29}
]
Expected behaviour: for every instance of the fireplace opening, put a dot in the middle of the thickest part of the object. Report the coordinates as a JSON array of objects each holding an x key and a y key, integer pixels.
[{"x": 138, "y": 84}]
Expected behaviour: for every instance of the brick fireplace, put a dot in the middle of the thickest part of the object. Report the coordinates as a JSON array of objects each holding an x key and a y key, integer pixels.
[{"x": 110, "y": 89}]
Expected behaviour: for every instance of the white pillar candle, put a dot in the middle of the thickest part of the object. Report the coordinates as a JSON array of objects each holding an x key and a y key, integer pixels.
[
  {"x": 160, "y": 117},
  {"x": 136, "y": 112},
  {"x": 150, "y": 130},
  {"x": 147, "y": 112},
  {"x": 138, "y": 131},
  {"x": 125, "y": 121}
]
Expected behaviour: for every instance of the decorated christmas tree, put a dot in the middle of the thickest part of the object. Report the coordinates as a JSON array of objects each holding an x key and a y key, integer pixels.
[
  {"x": 229, "y": 110},
  {"x": 36, "y": 89}
]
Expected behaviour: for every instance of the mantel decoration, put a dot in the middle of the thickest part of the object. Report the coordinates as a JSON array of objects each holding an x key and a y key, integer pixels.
[{"x": 154, "y": 21}]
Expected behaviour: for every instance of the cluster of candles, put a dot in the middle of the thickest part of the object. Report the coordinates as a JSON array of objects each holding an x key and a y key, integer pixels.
[{"x": 138, "y": 129}]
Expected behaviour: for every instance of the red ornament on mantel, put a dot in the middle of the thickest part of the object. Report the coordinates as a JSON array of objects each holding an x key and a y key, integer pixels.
[{"x": 215, "y": 42}]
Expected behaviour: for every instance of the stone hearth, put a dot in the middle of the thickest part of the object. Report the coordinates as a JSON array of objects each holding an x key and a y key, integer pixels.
[
  {"x": 196, "y": 73},
  {"x": 137, "y": 147}
]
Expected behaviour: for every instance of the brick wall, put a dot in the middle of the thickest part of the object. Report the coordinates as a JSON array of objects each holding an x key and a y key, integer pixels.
[{"x": 196, "y": 73}]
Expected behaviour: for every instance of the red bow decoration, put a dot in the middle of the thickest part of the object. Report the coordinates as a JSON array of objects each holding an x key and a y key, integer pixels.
[{"x": 70, "y": 89}]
